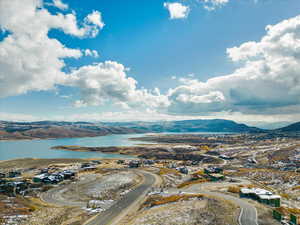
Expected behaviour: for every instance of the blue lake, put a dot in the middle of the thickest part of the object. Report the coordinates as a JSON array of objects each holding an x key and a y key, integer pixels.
[{"x": 42, "y": 148}]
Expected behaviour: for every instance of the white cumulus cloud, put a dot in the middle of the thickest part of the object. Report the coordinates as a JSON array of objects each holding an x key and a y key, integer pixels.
[
  {"x": 267, "y": 82},
  {"x": 177, "y": 10},
  {"x": 59, "y": 4},
  {"x": 29, "y": 59},
  {"x": 108, "y": 82},
  {"x": 211, "y": 5},
  {"x": 92, "y": 53},
  {"x": 96, "y": 18}
]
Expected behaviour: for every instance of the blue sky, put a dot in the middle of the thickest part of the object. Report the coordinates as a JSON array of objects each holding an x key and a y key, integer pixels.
[{"x": 171, "y": 54}]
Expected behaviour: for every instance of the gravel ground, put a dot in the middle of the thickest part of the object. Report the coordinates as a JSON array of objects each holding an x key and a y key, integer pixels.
[
  {"x": 103, "y": 188},
  {"x": 110, "y": 185},
  {"x": 192, "y": 212},
  {"x": 98, "y": 187},
  {"x": 57, "y": 216}
]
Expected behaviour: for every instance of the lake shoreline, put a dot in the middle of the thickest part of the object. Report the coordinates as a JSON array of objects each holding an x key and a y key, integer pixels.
[
  {"x": 41, "y": 148},
  {"x": 34, "y": 138}
]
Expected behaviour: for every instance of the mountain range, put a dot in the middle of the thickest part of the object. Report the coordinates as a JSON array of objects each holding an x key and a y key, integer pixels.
[
  {"x": 290, "y": 128},
  {"x": 55, "y": 129}
]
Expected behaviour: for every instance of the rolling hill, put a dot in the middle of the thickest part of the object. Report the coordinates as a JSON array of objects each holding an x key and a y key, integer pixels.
[
  {"x": 295, "y": 127},
  {"x": 53, "y": 129},
  {"x": 216, "y": 125}
]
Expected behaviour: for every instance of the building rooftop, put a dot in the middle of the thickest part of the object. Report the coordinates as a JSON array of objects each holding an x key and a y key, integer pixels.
[{"x": 261, "y": 193}]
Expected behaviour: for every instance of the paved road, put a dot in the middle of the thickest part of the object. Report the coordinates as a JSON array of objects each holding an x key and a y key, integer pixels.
[
  {"x": 248, "y": 215},
  {"x": 115, "y": 210}
]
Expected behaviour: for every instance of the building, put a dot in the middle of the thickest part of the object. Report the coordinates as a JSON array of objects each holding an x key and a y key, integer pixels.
[
  {"x": 54, "y": 177},
  {"x": 12, "y": 174},
  {"x": 68, "y": 174},
  {"x": 216, "y": 176},
  {"x": 261, "y": 195},
  {"x": 134, "y": 164},
  {"x": 226, "y": 157},
  {"x": 294, "y": 219},
  {"x": 272, "y": 200},
  {"x": 39, "y": 178},
  {"x": 120, "y": 161},
  {"x": 183, "y": 170},
  {"x": 148, "y": 162},
  {"x": 13, "y": 187},
  {"x": 209, "y": 170}
]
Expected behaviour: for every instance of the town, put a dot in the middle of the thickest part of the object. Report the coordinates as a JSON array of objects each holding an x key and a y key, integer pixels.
[{"x": 254, "y": 178}]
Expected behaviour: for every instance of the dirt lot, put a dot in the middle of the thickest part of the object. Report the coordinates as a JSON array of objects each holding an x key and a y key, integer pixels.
[
  {"x": 194, "y": 211},
  {"x": 100, "y": 187},
  {"x": 57, "y": 216}
]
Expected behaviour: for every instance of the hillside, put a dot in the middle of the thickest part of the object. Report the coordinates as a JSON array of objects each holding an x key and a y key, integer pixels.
[
  {"x": 216, "y": 125},
  {"x": 53, "y": 129},
  {"x": 48, "y": 129},
  {"x": 295, "y": 127}
]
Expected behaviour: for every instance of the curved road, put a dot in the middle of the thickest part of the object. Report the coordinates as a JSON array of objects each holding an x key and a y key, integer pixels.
[
  {"x": 54, "y": 196},
  {"x": 129, "y": 199},
  {"x": 248, "y": 214}
]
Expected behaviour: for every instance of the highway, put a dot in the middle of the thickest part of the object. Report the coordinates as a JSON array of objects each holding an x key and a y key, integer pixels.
[{"x": 129, "y": 199}]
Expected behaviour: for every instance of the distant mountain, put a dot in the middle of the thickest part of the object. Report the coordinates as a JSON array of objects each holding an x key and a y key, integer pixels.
[
  {"x": 216, "y": 125},
  {"x": 53, "y": 129},
  {"x": 270, "y": 125},
  {"x": 290, "y": 128}
]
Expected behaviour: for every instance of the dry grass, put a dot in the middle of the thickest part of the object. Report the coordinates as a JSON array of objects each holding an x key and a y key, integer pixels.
[
  {"x": 285, "y": 195},
  {"x": 164, "y": 171},
  {"x": 17, "y": 206},
  {"x": 296, "y": 188},
  {"x": 294, "y": 211},
  {"x": 243, "y": 171},
  {"x": 161, "y": 200},
  {"x": 287, "y": 211},
  {"x": 191, "y": 182},
  {"x": 247, "y": 186},
  {"x": 283, "y": 154},
  {"x": 36, "y": 163},
  {"x": 199, "y": 173},
  {"x": 234, "y": 189},
  {"x": 205, "y": 148},
  {"x": 32, "y": 204},
  {"x": 206, "y": 211}
]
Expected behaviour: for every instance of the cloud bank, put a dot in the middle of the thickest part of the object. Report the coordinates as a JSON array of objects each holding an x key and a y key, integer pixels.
[{"x": 267, "y": 82}]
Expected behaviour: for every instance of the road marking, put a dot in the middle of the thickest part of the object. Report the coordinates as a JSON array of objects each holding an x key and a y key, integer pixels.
[
  {"x": 255, "y": 215},
  {"x": 240, "y": 217}
]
